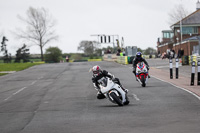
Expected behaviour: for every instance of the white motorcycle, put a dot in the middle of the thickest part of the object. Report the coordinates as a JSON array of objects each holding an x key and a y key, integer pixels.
[
  {"x": 113, "y": 91},
  {"x": 142, "y": 73}
]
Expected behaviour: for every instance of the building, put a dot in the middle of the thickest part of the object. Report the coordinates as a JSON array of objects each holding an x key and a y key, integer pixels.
[
  {"x": 185, "y": 35},
  {"x": 167, "y": 41}
]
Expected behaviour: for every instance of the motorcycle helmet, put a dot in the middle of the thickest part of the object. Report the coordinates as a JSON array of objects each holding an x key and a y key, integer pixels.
[
  {"x": 96, "y": 70},
  {"x": 138, "y": 55}
]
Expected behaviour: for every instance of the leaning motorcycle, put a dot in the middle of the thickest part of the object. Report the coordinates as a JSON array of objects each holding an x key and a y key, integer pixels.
[
  {"x": 142, "y": 73},
  {"x": 113, "y": 91}
]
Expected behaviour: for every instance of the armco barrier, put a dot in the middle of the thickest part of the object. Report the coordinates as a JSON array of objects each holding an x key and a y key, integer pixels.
[{"x": 122, "y": 59}]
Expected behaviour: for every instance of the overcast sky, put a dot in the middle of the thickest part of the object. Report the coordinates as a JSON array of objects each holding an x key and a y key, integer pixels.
[{"x": 139, "y": 22}]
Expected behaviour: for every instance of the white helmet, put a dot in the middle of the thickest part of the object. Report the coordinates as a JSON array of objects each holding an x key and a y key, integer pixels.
[{"x": 96, "y": 70}]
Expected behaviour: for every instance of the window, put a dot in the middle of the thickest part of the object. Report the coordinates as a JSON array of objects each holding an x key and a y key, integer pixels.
[
  {"x": 168, "y": 34},
  {"x": 189, "y": 30}
]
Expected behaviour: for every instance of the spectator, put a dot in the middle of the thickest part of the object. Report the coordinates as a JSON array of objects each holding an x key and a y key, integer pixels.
[
  {"x": 179, "y": 53},
  {"x": 108, "y": 51},
  {"x": 118, "y": 52},
  {"x": 173, "y": 53},
  {"x": 67, "y": 59},
  {"x": 168, "y": 53},
  {"x": 182, "y": 52},
  {"x": 121, "y": 53},
  {"x": 164, "y": 55}
]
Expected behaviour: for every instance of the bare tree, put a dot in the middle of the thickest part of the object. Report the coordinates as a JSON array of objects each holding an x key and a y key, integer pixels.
[
  {"x": 177, "y": 14},
  {"x": 39, "y": 28}
]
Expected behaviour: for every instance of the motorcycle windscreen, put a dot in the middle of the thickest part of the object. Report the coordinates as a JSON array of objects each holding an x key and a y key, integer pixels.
[
  {"x": 103, "y": 81},
  {"x": 109, "y": 84}
]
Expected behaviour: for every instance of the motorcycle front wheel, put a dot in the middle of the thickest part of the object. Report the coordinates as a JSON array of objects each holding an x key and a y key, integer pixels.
[
  {"x": 116, "y": 99},
  {"x": 143, "y": 81}
]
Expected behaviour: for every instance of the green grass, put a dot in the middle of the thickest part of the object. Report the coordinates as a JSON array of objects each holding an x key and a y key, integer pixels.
[
  {"x": 13, "y": 61},
  {"x": 1, "y": 74},
  {"x": 16, "y": 66}
]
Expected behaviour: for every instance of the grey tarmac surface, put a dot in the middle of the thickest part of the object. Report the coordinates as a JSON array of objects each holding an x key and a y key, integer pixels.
[{"x": 60, "y": 98}]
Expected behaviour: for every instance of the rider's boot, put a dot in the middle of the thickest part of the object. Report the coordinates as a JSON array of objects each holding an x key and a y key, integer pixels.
[
  {"x": 127, "y": 100},
  {"x": 100, "y": 95}
]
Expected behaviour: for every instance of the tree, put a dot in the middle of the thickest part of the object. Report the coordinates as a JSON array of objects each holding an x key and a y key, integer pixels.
[
  {"x": 88, "y": 47},
  {"x": 39, "y": 28},
  {"x": 22, "y": 54},
  {"x": 7, "y": 57},
  {"x": 140, "y": 50},
  {"x": 179, "y": 12},
  {"x": 53, "y": 54},
  {"x": 149, "y": 51}
]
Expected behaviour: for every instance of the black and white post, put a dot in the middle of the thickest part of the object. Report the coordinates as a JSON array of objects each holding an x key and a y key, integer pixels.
[
  {"x": 198, "y": 74},
  {"x": 171, "y": 68},
  {"x": 193, "y": 73},
  {"x": 177, "y": 68}
]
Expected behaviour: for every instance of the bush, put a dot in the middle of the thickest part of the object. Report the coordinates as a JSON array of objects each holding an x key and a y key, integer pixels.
[{"x": 53, "y": 54}]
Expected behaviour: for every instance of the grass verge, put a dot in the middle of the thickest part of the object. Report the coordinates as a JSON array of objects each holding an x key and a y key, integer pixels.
[
  {"x": 1, "y": 74},
  {"x": 17, "y": 66}
]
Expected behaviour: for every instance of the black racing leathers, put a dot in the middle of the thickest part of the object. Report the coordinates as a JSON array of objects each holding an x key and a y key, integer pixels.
[{"x": 104, "y": 73}]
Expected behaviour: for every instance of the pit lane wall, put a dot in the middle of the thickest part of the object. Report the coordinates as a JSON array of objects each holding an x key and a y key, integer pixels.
[{"x": 110, "y": 57}]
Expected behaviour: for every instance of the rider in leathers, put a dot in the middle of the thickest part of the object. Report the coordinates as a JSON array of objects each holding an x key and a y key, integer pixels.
[{"x": 97, "y": 75}]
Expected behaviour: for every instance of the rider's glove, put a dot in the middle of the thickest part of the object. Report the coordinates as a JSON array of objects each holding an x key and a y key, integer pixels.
[{"x": 96, "y": 87}]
